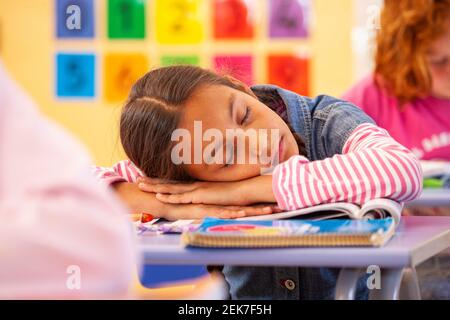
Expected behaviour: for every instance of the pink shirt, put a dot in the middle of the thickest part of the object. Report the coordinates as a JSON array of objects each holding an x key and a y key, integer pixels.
[
  {"x": 57, "y": 226},
  {"x": 423, "y": 126}
]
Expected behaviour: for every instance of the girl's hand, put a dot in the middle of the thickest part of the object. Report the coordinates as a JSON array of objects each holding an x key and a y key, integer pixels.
[
  {"x": 245, "y": 192},
  {"x": 200, "y": 211},
  {"x": 139, "y": 201}
]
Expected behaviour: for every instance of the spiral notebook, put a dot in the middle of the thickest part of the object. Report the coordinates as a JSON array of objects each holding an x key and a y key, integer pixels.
[{"x": 220, "y": 233}]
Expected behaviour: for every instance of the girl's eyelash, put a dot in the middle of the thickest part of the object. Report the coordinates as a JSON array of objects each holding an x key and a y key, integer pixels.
[{"x": 246, "y": 116}]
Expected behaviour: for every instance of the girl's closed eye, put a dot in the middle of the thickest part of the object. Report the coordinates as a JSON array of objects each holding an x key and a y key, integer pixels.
[{"x": 246, "y": 116}]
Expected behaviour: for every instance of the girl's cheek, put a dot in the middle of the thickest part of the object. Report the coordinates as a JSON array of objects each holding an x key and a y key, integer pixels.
[
  {"x": 440, "y": 77},
  {"x": 236, "y": 173},
  {"x": 440, "y": 74},
  {"x": 246, "y": 171}
]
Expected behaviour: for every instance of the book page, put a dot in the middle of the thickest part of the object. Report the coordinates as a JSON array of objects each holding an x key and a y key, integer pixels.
[
  {"x": 381, "y": 208},
  {"x": 319, "y": 212}
]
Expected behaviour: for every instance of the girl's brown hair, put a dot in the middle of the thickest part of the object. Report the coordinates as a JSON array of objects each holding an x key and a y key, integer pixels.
[
  {"x": 408, "y": 27},
  {"x": 153, "y": 111}
]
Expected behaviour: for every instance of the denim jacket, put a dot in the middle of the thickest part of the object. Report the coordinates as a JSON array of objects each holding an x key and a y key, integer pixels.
[{"x": 324, "y": 123}]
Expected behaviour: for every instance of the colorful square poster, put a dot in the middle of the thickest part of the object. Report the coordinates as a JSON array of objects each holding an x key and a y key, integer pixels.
[
  {"x": 75, "y": 18},
  {"x": 233, "y": 19},
  {"x": 289, "y": 18},
  {"x": 289, "y": 72},
  {"x": 238, "y": 66},
  {"x": 174, "y": 60},
  {"x": 126, "y": 19},
  {"x": 179, "y": 21},
  {"x": 75, "y": 75},
  {"x": 121, "y": 71}
]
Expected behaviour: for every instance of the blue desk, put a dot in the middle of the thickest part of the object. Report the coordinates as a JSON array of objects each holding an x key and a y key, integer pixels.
[{"x": 417, "y": 239}]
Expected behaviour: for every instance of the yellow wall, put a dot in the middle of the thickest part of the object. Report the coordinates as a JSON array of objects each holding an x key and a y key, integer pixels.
[{"x": 28, "y": 46}]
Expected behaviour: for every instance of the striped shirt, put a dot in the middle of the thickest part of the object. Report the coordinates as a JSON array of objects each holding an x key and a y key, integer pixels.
[{"x": 372, "y": 165}]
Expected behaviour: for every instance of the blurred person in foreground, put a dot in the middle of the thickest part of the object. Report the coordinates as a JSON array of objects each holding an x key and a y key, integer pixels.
[{"x": 61, "y": 235}]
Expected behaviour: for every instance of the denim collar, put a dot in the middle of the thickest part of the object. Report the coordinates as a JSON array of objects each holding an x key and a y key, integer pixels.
[{"x": 298, "y": 111}]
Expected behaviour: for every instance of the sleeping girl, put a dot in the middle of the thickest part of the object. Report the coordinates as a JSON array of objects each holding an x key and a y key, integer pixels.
[{"x": 320, "y": 149}]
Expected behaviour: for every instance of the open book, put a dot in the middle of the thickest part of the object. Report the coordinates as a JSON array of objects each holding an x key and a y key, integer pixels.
[{"x": 373, "y": 209}]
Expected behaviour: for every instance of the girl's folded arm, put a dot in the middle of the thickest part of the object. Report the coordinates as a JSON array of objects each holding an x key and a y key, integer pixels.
[
  {"x": 122, "y": 177},
  {"x": 122, "y": 171},
  {"x": 372, "y": 165}
]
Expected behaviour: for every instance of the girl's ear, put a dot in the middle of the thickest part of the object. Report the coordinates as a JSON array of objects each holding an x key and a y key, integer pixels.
[{"x": 239, "y": 84}]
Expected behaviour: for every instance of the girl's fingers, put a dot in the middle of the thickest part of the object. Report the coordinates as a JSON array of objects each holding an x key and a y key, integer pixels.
[
  {"x": 246, "y": 212},
  {"x": 233, "y": 212},
  {"x": 199, "y": 211},
  {"x": 174, "y": 198},
  {"x": 277, "y": 209},
  {"x": 150, "y": 180},
  {"x": 234, "y": 208},
  {"x": 202, "y": 211},
  {"x": 264, "y": 207},
  {"x": 166, "y": 188},
  {"x": 259, "y": 210},
  {"x": 274, "y": 208},
  {"x": 222, "y": 212},
  {"x": 225, "y": 212},
  {"x": 255, "y": 211},
  {"x": 230, "y": 214},
  {"x": 155, "y": 180}
]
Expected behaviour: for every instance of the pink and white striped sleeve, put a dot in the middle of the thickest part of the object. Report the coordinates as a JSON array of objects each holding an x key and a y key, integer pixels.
[
  {"x": 372, "y": 165},
  {"x": 123, "y": 171}
]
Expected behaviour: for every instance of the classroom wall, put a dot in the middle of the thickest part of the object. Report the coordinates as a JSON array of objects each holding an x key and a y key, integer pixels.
[{"x": 28, "y": 47}]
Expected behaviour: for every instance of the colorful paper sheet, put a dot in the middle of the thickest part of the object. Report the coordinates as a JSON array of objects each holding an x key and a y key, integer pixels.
[
  {"x": 240, "y": 67},
  {"x": 289, "y": 18},
  {"x": 75, "y": 75},
  {"x": 233, "y": 19},
  {"x": 121, "y": 70},
  {"x": 179, "y": 21},
  {"x": 75, "y": 18},
  {"x": 289, "y": 72},
  {"x": 126, "y": 19}
]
